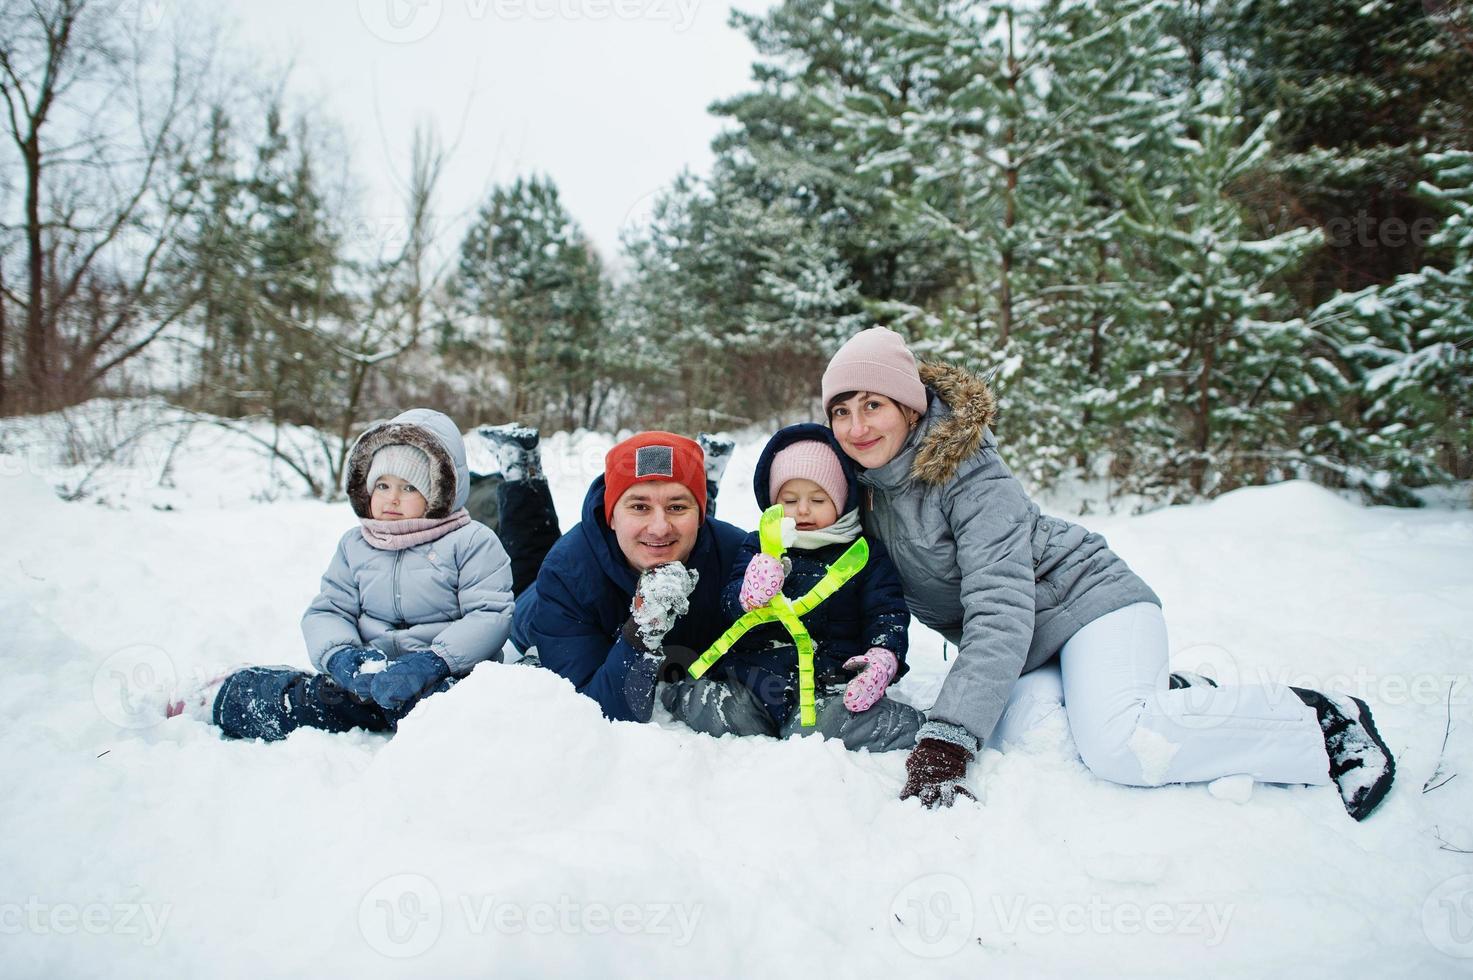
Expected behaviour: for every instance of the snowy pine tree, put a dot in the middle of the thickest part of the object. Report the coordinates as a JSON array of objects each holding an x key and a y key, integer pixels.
[
  {"x": 1406, "y": 350},
  {"x": 1222, "y": 373},
  {"x": 531, "y": 286}
]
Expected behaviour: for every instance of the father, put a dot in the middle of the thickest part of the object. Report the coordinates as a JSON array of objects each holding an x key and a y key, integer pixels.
[{"x": 639, "y": 577}]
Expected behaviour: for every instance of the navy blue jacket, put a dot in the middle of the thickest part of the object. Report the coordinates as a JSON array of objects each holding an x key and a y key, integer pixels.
[
  {"x": 575, "y": 611},
  {"x": 867, "y": 611}
]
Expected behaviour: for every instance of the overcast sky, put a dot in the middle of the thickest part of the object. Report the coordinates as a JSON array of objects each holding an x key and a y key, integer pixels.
[{"x": 608, "y": 97}]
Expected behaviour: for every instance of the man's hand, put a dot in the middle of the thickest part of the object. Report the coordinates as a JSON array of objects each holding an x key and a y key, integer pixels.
[{"x": 662, "y": 597}]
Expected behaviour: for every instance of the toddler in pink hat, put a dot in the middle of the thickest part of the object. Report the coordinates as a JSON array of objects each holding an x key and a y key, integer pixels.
[{"x": 858, "y": 632}]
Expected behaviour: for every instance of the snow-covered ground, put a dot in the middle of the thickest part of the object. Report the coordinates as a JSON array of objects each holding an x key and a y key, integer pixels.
[{"x": 508, "y": 830}]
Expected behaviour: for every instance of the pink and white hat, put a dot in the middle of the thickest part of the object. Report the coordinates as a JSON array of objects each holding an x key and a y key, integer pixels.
[{"x": 809, "y": 460}]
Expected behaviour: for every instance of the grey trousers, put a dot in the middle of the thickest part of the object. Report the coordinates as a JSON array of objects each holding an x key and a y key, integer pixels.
[{"x": 717, "y": 708}]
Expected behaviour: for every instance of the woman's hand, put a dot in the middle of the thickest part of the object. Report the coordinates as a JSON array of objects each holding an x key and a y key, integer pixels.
[
  {"x": 934, "y": 773},
  {"x": 876, "y": 669},
  {"x": 762, "y": 581}
]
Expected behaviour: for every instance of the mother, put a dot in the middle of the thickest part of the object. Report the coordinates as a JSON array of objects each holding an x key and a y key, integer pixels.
[{"x": 1014, "y": 589}]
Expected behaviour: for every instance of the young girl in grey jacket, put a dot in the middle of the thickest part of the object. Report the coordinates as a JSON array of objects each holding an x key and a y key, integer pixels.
[{"x": 415, "y": 596}]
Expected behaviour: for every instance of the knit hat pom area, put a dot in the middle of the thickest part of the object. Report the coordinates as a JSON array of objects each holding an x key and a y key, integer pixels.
[
  {"x": 408, "y": 463},
  {"x": 809, "y": 460},
  {"x": 876, "y": 360}
]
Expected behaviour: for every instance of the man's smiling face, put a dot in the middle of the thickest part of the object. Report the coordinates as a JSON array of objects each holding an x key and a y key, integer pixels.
[{"x": 656, "y": 522}]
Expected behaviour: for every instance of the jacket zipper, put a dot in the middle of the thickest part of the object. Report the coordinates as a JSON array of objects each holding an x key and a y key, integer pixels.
[{"x": 399, "y": 623}]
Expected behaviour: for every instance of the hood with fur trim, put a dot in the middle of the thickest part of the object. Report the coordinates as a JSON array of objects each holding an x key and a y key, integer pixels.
[
  {"x": 952, "y": 439},
  {"x": 424, "y": 429}
]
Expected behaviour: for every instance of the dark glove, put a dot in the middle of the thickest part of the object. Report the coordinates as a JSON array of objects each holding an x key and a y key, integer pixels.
[
  {"x": 934, "y": 773},
  {"x": 345, "y": 666},
  {"x": 406, "y": 680}
]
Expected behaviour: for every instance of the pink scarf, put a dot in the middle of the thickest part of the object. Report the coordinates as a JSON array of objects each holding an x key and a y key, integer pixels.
[{"x": 397, "y": 535}]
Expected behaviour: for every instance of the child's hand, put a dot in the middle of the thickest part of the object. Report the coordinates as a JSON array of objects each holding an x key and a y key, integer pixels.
[
  {"x": 398, "y": 687},
  {"x": 876, "y": 669},
  {"x": 354, "y": 668},
  {"x": 763, "y": 580}
]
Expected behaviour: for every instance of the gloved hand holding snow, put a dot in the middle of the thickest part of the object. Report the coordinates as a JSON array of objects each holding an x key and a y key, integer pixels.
[
  {"x": 876, "y": 669},
  {"x": 354, "y": 668},
  {"x": 762, "y": 581},
  {"x": 406, "y": 680},
  {"x": 663, "y": 596}
]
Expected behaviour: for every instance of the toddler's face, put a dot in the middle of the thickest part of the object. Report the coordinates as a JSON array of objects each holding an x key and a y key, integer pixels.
[
  {"x": 395, "y": 500},
  {"x": 808, "y": 504}
]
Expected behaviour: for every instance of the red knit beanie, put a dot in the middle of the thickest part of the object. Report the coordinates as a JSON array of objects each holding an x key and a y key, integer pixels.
[
  {"x": 875, "y": 360},
  {"x": 651, "y": 456}
]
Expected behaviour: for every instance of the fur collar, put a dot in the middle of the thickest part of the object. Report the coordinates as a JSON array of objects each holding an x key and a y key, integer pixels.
[
  {"x": 442, "y": 467},
  {"x": 952, "y": 439}
]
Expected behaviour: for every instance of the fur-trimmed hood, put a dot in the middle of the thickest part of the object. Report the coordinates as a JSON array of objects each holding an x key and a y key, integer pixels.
[
  {"x": 952, "y": 438},
  {"x": 424, "y": 429}
]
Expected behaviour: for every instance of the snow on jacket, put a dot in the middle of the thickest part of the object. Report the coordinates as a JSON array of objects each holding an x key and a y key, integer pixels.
[
  {"x": 979, "y": 563},
  {"x": 867, "y": 611},
  {"x": 573, "y": 615},
  {"x": 451, "y": 595}
]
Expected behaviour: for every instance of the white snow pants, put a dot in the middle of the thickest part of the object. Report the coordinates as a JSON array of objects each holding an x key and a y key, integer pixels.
[{"x": 1111, "y": 679}]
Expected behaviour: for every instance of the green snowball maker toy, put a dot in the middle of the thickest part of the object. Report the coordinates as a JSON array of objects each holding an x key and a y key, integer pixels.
[{"x": 789, "y": 613}]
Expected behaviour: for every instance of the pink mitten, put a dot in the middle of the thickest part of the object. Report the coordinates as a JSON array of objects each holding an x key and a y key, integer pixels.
[
  {"x": 879, "y": 666},
  {"x": 764, "y": 579}
]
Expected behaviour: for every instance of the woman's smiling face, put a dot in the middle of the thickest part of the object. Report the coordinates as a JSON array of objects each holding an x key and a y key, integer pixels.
[{"x": 871, "y": 428}]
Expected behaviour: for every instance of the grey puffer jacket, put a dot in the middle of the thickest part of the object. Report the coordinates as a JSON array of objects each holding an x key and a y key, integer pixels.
[
  {"x": 451, "y": 595},
  {"x": 978, "y": 562}
]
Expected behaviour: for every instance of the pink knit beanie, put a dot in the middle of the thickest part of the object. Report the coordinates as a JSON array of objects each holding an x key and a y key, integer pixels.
[
  {"x": 809, "y": 460},
  {"x": 876, "y": 360}
]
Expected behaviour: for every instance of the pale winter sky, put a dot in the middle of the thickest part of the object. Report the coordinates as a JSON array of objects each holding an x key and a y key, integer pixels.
[{"x": 607, "y": 96}]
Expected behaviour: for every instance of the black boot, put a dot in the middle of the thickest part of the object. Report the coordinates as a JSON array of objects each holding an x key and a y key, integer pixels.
[
  {"x": 1360, "y": 762},
  {"x": 516, "y": 450},
  {"x": 1186, "y": 678},
  {"x": 718, "y": 453}
]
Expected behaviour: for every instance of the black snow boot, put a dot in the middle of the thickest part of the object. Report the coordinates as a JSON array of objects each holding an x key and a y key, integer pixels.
[
  {"x": 1186, "y": 678},
  {"x": 516, "y": 450},
  {"x": 1360, "y": 762},
  {"x": 718, "y": 453}
]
